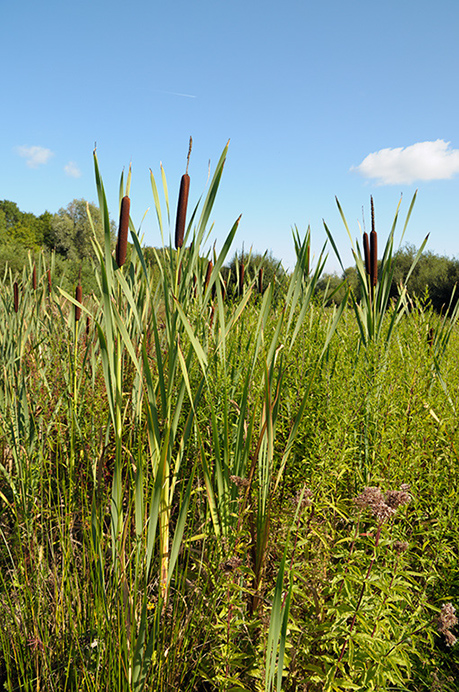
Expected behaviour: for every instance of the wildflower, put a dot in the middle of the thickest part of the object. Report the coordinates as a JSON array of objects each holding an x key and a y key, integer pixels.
[
  {"x": 383, "y": 506},
  {"x": 446, "y": 621},
  {"x": 395, "y": 498},
  {"x": 400, "y": 546},
  {"x": 240, "y": 482}
]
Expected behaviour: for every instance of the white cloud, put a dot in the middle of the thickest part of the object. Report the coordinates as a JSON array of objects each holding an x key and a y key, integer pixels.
[
  {"x": 36, "y": 156},
  {"x": 72, "y": 170},
  {"x": 405, "y": 165}
]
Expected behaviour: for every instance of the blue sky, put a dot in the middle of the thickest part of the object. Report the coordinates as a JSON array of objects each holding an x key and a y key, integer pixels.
[{"x": 319, "y": 99}]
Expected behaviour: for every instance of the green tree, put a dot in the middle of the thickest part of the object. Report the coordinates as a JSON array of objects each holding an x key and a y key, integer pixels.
[
  {"x": 22, "y": 229},
  {"x": 434, "y": 275},
  {"x": 11, "y": 214},
  {"x": 70, "y": 233}
]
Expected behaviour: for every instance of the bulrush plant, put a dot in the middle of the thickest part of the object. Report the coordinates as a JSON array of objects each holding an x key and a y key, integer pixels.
[
  {"x": 375, "y": 283},
  {"x": 182, "y": 203},
  {"x": 166, "y": 405}
]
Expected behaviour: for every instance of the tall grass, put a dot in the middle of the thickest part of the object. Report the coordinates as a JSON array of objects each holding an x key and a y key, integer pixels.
[{"x": 179, "y": 475}]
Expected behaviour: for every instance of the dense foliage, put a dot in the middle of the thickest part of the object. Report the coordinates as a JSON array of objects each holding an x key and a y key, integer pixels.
[{"x": 203, "y": 492}]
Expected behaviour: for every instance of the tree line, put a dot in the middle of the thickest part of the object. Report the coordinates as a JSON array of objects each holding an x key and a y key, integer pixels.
[
  {"x": 432, "y": 281},
  {"x": 68, "y": 234}
]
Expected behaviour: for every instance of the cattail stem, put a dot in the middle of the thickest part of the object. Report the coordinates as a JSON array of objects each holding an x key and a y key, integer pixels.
[{"x": 121, "y": 245}]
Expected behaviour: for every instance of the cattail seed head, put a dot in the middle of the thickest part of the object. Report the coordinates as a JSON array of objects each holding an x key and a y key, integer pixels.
[
  {"x": 241, "y": 278},
  {"x": 34, "y": 278},
  {"x": 49, "y": 280},
  {"x": 88, "y": 323},
  {"x": 181, "y": 210},
  {"x": 373, "y": 258},
  {"x": 78, "y": 297},
  {"x": 16, "y": 296},
  {"x": 121, "y": 245},
  {"x": 210, "y": 266},
  {"x": 212, "y": 316},
  {"x": 366, "y": 253},
  {"x": 260, "y": 280},
  {"x": 373, "y": 248}
]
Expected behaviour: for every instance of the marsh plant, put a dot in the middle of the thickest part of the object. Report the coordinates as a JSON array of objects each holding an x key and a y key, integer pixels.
[{"x": 181, "y": 506}]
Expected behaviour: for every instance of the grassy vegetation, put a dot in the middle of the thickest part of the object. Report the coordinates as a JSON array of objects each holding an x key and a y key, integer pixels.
[{"x": 209, "y": 492}]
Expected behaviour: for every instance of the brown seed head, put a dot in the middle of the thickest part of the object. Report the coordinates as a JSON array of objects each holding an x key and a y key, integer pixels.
[
  {"x": 373, "y": 248},
  {"x": 78, "y": 297},
  {"x": 241, "y": 278},
  {"x": 181, "y": 210},
  {"x": 260, "y": 280},
  {"x": 16, "y": 296},
  {"x": 49, "y": 280},
  {"x": 121, "y": 245},
  {"x": 210, "y": 266},
  {"x": 366, "y": 253},
  {"x": 373, "y": 258},
  {"x": 34, "y": 278}
]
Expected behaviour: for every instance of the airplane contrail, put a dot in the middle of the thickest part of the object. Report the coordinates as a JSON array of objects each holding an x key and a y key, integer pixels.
[{"x": 175, "y": 93}]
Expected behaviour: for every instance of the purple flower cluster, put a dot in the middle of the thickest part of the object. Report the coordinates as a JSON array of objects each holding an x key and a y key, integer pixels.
[
  {"x": 446, "y": 621},
  {"x": 383, "y": 505}
]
